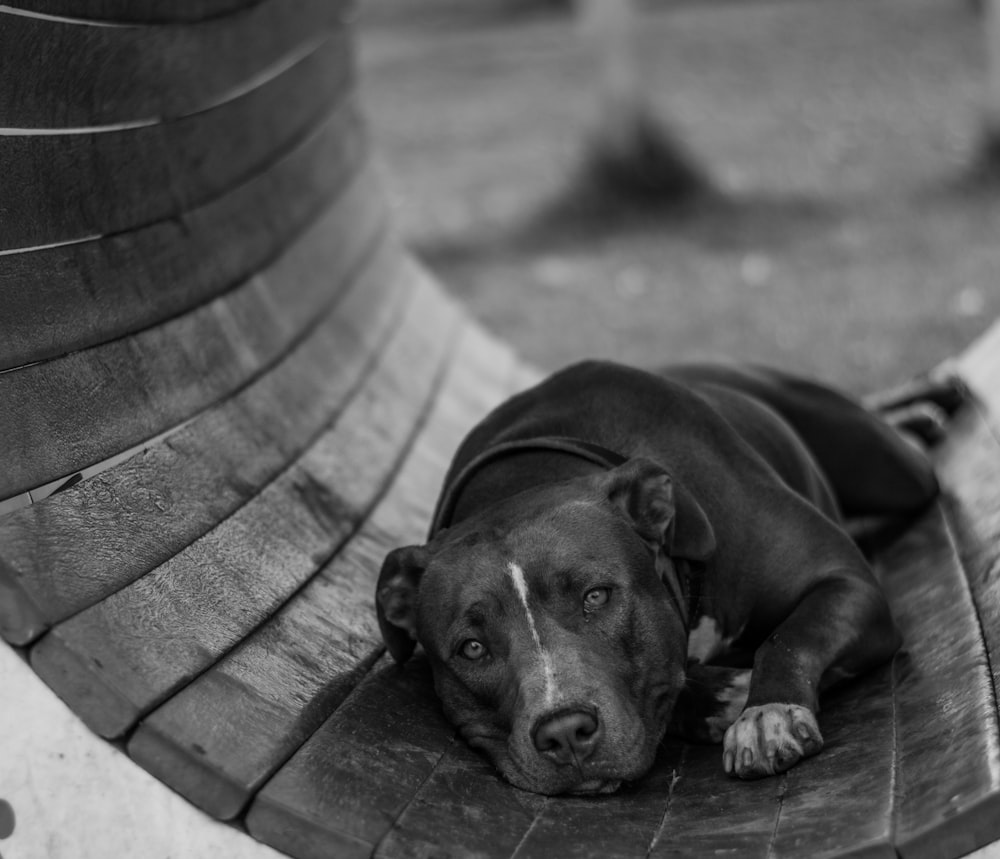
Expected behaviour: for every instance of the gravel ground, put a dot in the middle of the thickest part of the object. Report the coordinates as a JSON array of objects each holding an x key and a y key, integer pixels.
[{"x": 850, "y": 238}]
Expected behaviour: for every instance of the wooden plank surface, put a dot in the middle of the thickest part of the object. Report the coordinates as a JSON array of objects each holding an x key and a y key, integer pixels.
[
  {"x": 61, "y": 75},
  {"x": 624, "y": 824},
  {"x": 349, "y": 781},
  {"x": 948, "y": 760},
  {"x": 709, "y": 813},
  {"x": 68, "y": 187},
  {"x": 75, "y": 548},
  {"x": 969, "y": 466},
  {"x": 136, "y": 11},
  {"x": 462, "y": 809},
  {"x": 67, "y": 413},
  {"x": 120, "y": 658},
  {"x": 841, "y": 803},
  {"x": 340, "y": 793},
  {"x": 249, "y": 712},
  {"x": 686, "y": 806},
  {"x": 151, "y": 274}
]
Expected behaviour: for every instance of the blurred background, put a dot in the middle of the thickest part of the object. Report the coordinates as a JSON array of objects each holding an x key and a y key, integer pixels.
[{"x": 821, "y": 187}]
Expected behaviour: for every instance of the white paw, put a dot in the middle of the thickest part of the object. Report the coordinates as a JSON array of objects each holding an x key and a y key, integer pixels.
[{"x": 769, "y": 739}]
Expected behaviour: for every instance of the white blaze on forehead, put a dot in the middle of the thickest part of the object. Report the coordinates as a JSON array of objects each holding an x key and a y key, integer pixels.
[{"x": 521, "y": 587}]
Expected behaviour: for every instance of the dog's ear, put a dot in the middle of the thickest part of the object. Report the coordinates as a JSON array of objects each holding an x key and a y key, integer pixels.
[
  {"x": 396, "y": 599},
  {"x": 663, "y": 512}
]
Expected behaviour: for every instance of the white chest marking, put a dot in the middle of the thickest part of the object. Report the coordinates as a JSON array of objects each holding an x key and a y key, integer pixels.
[
  {"x": 705, "y": 640},
  {"x": 521, "y": 587}
]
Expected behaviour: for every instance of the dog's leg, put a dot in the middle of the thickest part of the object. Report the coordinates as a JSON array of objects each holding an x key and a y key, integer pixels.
[
  {"x": 838, "y": 630},
  {"x": 920, "y": 407},
  {"x": 941, "y": 387},
  {"x": 712, "y": 699},
  {"x": 924, "y": 422}
]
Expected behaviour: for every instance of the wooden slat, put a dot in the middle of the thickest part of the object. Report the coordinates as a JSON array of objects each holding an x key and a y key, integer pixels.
[
  {"x": 837, "y": 804},
  {"x": 67, "y": 187},
  {"x": 464, "y": 804},
  {"x": 258, "y": 557},
  {"x": 149, "y": 275},
  {"x": 344, "y": 787},
  {"x": 710, "y": 814},
  {"x": 463, "y": 809},
  {"x": 969, "y": 467},
  {"x": 841, "y": 802},
  {"x": 72, "y": 550},
  {"x": 67, "y": 413},
  {"x": 138, "y": 11},
  {"x": 339, "y": 794},
  {"x": 248, "y": 713},
  {"x": 61, "y": 75},
  {"x": 948, "y": 759},
  {"x": 624, "y": 824}
]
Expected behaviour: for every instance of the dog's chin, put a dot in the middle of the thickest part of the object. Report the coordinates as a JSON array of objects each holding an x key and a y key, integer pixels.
[
  {"x": 595, "y": 787},
  {"x": 564, "y": 785}
]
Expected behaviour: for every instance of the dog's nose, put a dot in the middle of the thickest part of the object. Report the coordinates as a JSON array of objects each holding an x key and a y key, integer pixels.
[{"x": 568, "y": 736}]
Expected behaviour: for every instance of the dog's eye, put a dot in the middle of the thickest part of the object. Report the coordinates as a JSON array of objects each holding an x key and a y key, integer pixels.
[
  {"x": 595, "y": 598},
  {"x": 472, "y": 649}
]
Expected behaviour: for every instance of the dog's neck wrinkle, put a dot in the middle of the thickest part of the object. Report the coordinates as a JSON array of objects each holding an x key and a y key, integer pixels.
[
  {"x": 689, "y": 582},
  {"x": 683, "y": 586}
]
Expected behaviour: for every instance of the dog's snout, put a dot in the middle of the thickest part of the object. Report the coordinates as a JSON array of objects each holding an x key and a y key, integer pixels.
[{"x": 568, "y": 736}]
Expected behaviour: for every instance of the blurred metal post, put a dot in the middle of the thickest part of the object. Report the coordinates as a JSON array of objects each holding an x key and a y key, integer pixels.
[
  {"x": 607, "y": 28},
  {"x": 632, "y": 154},
  {"x": 991, "y": 26}
]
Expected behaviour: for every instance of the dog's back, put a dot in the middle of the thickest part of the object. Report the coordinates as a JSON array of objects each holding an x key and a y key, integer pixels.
[{"x": 825, "y": 446}]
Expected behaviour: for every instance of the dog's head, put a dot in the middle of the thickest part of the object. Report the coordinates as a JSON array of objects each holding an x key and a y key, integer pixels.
[{"x": 555, "y": 645}]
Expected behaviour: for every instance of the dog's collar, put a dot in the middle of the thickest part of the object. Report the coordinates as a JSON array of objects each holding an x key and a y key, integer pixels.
[
  {"x": 587, "y": 450},
  {"x": 578, "y": 447}
]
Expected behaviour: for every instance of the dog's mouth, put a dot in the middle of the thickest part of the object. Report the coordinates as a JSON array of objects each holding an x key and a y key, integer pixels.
[{"x": 596, "y": 786}]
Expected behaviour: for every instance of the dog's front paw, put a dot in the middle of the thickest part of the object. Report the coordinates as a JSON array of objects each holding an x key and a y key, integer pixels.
[{"x": 769, "y": 739}]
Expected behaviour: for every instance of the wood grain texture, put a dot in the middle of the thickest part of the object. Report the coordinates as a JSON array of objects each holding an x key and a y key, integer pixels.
[
  {"x": 620, "y": 825},
  {"x": 626, "y": 823},
  {"x": 969, "y": 468},
  {"x": 60, "y": 75},
  {"x": 69, "y": 187},
  {"x": 76, "y": 410},
  {"x": 136, "y": 11},
  {"x": 709, "y": 813},
  {"x": 342, "y": 790},
  {"x": 117, "y": 660},
  {"x": 948, "y": 750},
  {"x": 220, "y": 738},
  {"x": 51, "y": 303},
  {"x": 75, "y": 548},
  {"x": 841, "y": 802},
  {"x": 462, "y": 809}
]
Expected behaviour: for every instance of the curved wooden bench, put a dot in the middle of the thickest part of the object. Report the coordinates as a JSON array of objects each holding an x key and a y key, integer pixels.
[{"x": 227, "y": 392}]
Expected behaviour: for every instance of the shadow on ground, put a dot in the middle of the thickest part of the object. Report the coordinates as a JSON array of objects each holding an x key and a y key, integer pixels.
[{"x": 709, "y": 220}]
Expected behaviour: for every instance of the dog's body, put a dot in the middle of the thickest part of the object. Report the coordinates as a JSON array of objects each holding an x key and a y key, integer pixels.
[{"x": 610, "y": 543}]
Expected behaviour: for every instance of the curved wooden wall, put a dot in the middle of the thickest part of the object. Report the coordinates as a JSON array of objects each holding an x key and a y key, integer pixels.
[{"x": 226, "y": 393}]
